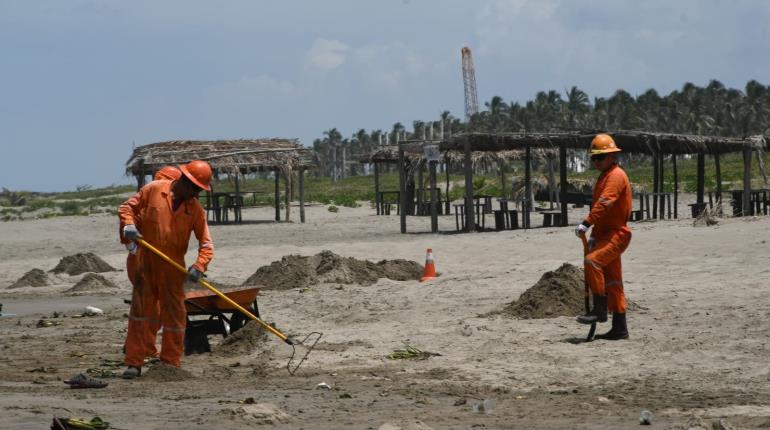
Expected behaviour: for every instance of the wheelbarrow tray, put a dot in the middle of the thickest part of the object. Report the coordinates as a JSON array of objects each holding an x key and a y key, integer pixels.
[{"x": 204, "y": 302}]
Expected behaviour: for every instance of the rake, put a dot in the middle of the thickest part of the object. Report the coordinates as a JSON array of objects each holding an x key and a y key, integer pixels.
[{"x": 308, "y": 342}]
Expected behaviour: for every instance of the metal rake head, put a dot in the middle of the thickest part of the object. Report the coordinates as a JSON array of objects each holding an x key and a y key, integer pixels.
[{"x": 308, "y": 342}]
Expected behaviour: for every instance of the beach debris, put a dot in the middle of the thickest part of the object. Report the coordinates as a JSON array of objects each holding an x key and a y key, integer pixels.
[
  {"x": 645, "y": 418},
  {"x": 485, "y": 407},
  {"x": 95, "y": 423},
  {"x": 81, "y": 380},
  {"x": 323, "y": 386},
  {"x": 90, "y": 311},
  {"x": 47, "y": 323},
  {"x": 411, "y": 352},
  {"x": 33, "y": 278},
  {"x": 297, "y": 272},
  {"x": 82, "y": 263}
]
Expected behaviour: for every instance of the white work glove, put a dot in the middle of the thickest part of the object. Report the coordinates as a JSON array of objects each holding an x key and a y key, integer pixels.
[
  {"x": 130, "y": 232},
  {"x": 581, "y": 229},
  {"x": 193, "y": 275}
]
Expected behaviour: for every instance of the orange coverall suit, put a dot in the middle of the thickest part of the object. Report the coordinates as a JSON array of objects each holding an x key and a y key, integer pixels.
[
  {"x": 609, "y": 215},
  {"x": 158, "y": 288}
]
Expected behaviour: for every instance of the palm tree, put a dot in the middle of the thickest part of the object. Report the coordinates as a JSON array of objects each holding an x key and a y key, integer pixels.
[{"x": 577, "y": 106}]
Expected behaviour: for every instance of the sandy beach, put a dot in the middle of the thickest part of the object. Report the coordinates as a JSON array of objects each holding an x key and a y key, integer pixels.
[{"x": 698, "y": 329}]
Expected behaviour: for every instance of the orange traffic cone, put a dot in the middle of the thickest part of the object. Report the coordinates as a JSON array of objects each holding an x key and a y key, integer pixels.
[{"x": 430, "y": 267}]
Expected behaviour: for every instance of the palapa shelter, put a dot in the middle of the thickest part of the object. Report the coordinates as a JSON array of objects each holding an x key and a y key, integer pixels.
[
  {"x": 416, "y": 163},
  {"x": 230, "y": 157},
  {"x": 656, "y": 144}
]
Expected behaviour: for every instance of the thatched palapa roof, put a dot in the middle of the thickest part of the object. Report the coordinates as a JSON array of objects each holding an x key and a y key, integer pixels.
[
  {"x": 628, "y": 141},
  {"x": 224, "y": 156},
  {"x": 414, "y": 154}
]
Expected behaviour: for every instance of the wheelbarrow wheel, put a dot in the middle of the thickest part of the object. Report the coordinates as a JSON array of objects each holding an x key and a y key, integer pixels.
[{"x": 237, "y": 321}]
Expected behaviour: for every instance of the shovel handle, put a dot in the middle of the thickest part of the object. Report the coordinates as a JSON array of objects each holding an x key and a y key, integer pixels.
[{"x": 210, "y": 287}]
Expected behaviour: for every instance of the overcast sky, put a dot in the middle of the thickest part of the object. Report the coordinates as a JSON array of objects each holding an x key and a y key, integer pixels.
[{"x": 82, "y": 81}]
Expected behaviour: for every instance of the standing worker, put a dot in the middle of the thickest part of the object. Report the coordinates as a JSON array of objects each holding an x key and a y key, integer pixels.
[
  {"x": 610, "y": 209},
  {"x": 164, "y": 213}
]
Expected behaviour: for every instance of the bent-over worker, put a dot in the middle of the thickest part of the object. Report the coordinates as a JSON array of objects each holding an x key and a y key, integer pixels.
[
  {"x": 164, "y": 213},
  {"x": 610, "y": 210}
]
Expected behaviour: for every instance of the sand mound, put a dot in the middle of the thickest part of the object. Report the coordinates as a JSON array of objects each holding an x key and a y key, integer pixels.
[
  {"x": 33, "y": 278},
  {"x": 162, "y": 372},
  {"x": 698, "y": 423},
  {"x": 248, "y": 339},
  {"x": 258, "y": 414},
  {"x": 82, "y": 263},
  {"x": 295, "y": 271},
  {"x": 557, "y": 293},
  {"x": 92, "y": 282}
]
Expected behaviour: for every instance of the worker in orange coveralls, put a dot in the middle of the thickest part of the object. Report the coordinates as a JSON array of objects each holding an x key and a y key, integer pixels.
[
  {"x": 166, "y": 213},
  {"x": 610, "y": 210},
  {"x": 167, "y": 173}
]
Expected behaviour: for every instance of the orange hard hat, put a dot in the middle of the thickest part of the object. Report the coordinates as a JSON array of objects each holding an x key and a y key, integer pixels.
[
  {"x": 198, "y": 172},
  {"x": 603, "y": 144},
  {"x": 169, "y": 173}
]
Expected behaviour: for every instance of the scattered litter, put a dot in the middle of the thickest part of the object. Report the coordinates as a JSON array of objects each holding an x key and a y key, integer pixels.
[
  {"x": 47, "y": 323},
  {"x": 460, "y": 402},
  {"x": 323, "y": 386},
  {"x": 42, "y": 369},
  {"x": 411, "y": 352},
  {"x": 247, "y": 401},
  {"x": 92, "y": 311},
  {"x": 645, "y": 418},
  {"x": 81, "y": 380},
  {"x": 95, "y": 423},
  {"x": 345, "y": 396},
  {"x": 82, "y": 263},
  {"x": 602, "y": 399},
  {"x": 102, "y": 372},
  {"x": 485, "y": 407}
]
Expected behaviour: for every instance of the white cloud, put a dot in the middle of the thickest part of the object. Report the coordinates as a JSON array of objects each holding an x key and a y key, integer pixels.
[{"x": 326, "y": 54}]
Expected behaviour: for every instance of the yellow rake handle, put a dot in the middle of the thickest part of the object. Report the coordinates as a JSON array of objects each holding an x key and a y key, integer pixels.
[{"x": 267, "y": 326}]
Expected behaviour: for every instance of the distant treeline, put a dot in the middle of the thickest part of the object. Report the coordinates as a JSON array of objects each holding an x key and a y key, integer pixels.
[{"x": 710, "y": 110}]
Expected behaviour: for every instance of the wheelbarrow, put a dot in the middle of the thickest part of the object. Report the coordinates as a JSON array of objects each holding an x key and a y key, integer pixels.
[
  {"x": 206, "y": 303},
  {"x": 307, "y": 343}
]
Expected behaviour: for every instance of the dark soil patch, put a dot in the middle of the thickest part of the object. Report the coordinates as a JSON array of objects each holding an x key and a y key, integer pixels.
[
  {"x": 92, "y": 282},
  {"x": 296, "y": 271},
  {"x": 33, "y": 278},
  {"x": 82, "y": 263},
  {"x": 557, "y": 293}
]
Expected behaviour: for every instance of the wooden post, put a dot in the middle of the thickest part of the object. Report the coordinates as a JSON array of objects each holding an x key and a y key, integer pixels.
[
  {"x": 420, "y": 189},
  {"x": 746, "y": 181},
  {"x": 701, "y": 178},
  {"x": 433, "y": 197},
  {"x": 470, "y": 223},
  {"x": 661, "y": 185},
  {"x": 563, "y": 183},
  {"x": 719, "y": 183},
  {"x": 655, "y": 184},
  {"x": 302, "y": 195},
  {"x": 528, "y": 203},
  {"x": 676, "y": 185},
  {"x": 502, "y": 178},
  {"x": 237, "y": 202},
  {"x": 287, "y": 197},
  {"x": 446, "y": 168},
  {"x": 402, "y": 187},
  {"x": 377, "y": 203},
  {"x": 277, "y": 196}
]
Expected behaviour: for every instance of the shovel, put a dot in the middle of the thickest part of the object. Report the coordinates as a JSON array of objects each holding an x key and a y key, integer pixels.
[
  {"x": 308, "y": 342},
  {"x": 592, "y": 330}
]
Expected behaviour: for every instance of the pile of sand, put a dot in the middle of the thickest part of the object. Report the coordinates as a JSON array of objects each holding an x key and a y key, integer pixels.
[
  {"x": 91, "y": 283},
  {"x": 296, "y": 271},
  {"x": 557, "y": 293},
  {"x": 162, "y": 372},
  {"x": 246, "y": 340},
  {"x": 82, "y": 263},
  {"x": 33, "y": 278}
]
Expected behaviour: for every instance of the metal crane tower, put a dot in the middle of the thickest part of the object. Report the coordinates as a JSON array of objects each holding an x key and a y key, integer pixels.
[{"x": 469, "y": 81}]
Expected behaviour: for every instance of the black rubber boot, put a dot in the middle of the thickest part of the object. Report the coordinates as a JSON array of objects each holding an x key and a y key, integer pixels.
[
  {"x": 597, "y": 314},
  {"x": 619, "y": 330}
]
